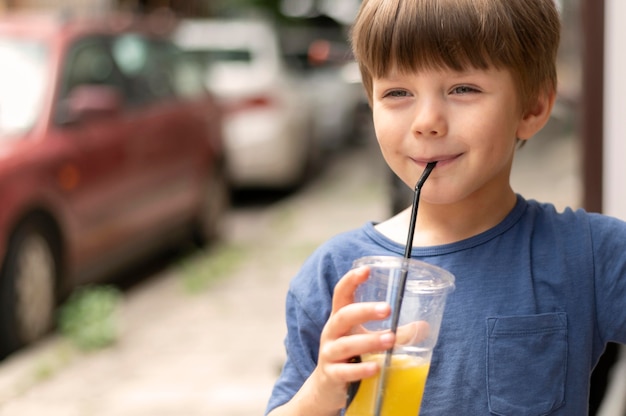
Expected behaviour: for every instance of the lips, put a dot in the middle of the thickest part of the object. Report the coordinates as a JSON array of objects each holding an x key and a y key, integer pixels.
[{"x": 441, "y": 160}]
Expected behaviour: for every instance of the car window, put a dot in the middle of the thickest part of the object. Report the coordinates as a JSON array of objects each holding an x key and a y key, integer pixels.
[
  {"x": 22, "y": 84},
  {"x": 162, "y": 66},
  {"x": 147, "y": 67},
  {"x": 130, "y": 53},
  {"x": 188, "y": 73},
  {"x": 90, "y": 62},
  {"x": 228, "y": 55}
]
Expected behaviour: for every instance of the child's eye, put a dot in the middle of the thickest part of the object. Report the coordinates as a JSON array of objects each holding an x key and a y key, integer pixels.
[
  {"x": 397, "y": 93},
  {"x": 464, "y": 89}
]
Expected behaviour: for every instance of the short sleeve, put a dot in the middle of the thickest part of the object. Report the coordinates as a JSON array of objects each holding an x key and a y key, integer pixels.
[
  {"x": 302, "y": 346},
  {"x": 308, "y": 306}
]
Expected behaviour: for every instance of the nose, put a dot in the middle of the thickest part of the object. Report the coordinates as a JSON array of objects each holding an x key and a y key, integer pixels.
[{"x": 429, "y": 119}]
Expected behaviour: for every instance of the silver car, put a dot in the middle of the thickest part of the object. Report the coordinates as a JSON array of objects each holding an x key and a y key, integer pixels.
[{"x": 268, "y": 119}]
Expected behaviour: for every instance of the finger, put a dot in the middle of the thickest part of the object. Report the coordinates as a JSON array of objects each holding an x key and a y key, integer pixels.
[
  {"x": 350, "y": 318},
  {"x": 348, "y": 372},
  {"x": 344, "y": 290},
  {"x": 345, "y": 348}
]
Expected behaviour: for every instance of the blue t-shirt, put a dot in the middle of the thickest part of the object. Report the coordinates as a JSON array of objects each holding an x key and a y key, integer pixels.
[{"x": 537, "y": 299}]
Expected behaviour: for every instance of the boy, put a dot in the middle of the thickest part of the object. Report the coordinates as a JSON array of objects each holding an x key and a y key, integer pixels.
[{"x": 538, "y": 293}]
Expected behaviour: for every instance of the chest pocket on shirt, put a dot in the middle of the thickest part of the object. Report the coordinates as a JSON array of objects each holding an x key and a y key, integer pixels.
[{"x": 526, "y": 364}]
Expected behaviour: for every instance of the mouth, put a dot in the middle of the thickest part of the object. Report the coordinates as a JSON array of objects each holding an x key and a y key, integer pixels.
[{"x": 440, "y": 160}]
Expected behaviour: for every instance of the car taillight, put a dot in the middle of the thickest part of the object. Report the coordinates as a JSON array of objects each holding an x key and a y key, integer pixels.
[{"x": 249, "y": 103}]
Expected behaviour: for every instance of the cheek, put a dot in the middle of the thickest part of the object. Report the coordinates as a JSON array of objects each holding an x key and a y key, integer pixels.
[
  {"x": 390, "y": 147},
  {"x": 388, "y": 131},
  {"x": 389, "y": 139},
  {"x": 495, "y": 131},
  {"x": 380, "y": 130}
]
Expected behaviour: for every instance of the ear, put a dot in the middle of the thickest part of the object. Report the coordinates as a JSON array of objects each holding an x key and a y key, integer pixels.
[{"x": 536, "y": 116}]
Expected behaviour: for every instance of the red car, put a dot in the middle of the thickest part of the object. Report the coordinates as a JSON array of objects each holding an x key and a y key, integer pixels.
[{"x": 110, "y": 147}]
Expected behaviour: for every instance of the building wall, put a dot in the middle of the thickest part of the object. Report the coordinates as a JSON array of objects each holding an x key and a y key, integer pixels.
[{"x": 614, "y": 187}]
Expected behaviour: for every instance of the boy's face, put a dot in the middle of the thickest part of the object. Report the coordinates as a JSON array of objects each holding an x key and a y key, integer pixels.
[{"x": 467, "y": 121}]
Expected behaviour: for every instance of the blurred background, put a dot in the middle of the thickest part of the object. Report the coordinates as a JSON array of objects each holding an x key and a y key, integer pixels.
[{"x": 166, "y": 166}]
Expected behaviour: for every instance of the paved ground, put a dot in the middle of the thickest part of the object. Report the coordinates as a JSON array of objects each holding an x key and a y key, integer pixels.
[{"x": 217, "y": 352}]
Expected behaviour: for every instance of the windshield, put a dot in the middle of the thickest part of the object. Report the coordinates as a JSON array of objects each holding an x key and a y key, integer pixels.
[{"x": 22, "y": 78}]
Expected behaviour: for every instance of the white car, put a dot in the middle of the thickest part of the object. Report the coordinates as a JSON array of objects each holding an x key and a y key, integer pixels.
[
  {"x": 339, "y": 105},
  {"x": 268, "y": 120}
]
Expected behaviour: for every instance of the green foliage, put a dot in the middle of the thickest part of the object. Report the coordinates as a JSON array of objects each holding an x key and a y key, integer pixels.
[
  {"x": 54, "y": 360},
  {"x": 88, "y": 318},
  {"x": 198, "y": 273}
]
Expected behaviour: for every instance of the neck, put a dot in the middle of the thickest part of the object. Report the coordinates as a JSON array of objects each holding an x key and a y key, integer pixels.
[{"x": 438, "y": 224}]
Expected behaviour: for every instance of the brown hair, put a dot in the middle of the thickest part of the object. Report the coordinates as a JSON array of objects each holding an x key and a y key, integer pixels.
[{"x": 410, "y": 35}]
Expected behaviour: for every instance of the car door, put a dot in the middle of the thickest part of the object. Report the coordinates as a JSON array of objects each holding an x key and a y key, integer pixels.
[
  {"x": 165, "y": 149},
  {"x": 97, "y": 170}
]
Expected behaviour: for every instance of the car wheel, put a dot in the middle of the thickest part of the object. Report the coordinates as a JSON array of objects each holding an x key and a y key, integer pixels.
[
  {"x": 215, "y": 202},
  {"x": 27, "y": 282}
]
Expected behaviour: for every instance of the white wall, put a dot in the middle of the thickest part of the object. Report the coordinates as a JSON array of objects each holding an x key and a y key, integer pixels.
[{"x": 614, "y": 187}]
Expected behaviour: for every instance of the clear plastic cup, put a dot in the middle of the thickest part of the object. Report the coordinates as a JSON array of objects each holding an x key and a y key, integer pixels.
[{"x": 422, "y": 305}]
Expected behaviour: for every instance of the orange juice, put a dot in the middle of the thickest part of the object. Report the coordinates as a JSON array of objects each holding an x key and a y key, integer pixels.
[{"x": 406, "y": 378}]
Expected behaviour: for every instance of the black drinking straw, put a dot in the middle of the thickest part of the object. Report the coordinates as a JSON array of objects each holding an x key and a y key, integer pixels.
[{"x": 395, "y": 317}]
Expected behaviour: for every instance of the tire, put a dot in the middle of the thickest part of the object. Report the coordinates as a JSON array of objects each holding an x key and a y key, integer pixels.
[
  {"x": 28, "y": 281},
  {"x": 215, "y": 203}
]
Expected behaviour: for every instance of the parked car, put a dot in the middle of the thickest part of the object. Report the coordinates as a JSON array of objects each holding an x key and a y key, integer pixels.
[
  {"x": 110, "y": 147},
  {"x": 331, "y": 77},
  {"x": 340, "y": 106},
  {"x": 268, "y": 123}
]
